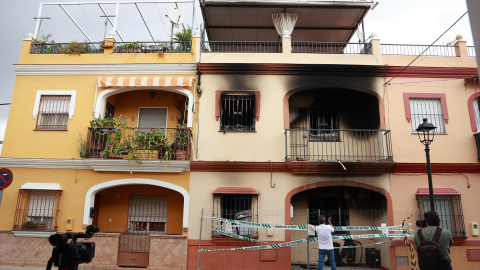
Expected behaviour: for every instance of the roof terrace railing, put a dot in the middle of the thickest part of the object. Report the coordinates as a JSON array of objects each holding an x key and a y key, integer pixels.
[
  {"x": 242, "y": 46},
  {"x": 415, "y": 50},
  {"x": 330, "y": 47},
  {"x": 67, "y": 48},
  {"x": 153, "y": 47},
  {"x": 471, "y": 51}
]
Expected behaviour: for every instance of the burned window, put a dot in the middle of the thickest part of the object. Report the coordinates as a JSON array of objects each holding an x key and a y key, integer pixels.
[
  {"x": 241, "y": 207},
  {"x": 323, "y": 126},
  {"x": 237, "y": 112}
]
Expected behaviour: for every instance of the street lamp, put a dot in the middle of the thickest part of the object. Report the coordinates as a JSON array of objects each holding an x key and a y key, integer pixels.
[{"x": 424, "y": 130}]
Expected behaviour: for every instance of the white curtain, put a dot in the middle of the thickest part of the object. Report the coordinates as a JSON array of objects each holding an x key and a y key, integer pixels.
[{"x": 284, "y": 23}]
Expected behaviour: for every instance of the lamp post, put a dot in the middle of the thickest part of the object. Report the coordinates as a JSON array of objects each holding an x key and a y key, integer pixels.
[{"x": 424, "y": 130}]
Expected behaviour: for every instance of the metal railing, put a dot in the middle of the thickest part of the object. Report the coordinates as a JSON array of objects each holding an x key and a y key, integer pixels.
[
  {"x": 415, "y": 50},
  {"x": 67, "y": 48},
  {"x": 242, "y": 46},
  {"x": 477, "y": 141},
  {"x": 338, "y": 145},
  {"x": 471, "y": 51},
  {"x": 138, "y": 144},
  {"x": 330, "y": 47},
  {"x": 153, "y": 47}
]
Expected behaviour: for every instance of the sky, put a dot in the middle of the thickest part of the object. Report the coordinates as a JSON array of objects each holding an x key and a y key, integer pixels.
[{"x": 393, "y": 21}]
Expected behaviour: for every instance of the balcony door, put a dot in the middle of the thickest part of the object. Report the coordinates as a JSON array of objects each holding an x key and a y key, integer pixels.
[{"x": 152, "y": 118}]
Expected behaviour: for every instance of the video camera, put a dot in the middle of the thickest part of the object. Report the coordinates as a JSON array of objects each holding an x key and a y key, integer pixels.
[
  {"x": 421, "y": 223},
  {"x": 70, "y": 255}
]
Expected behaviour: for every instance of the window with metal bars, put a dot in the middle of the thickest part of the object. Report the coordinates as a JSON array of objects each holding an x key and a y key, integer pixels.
[
  {"x": 37, "y": 210},
  {"x": 147, "y": 214},
  {"x": 237, "y": 112},
  {"x": 323, "y": 125},
  {"x": 242, "y": 207},
  {"x": 449, "y": 209},
  {"x": 53, "y": 112},
  {"x": 430, "y": 108}
]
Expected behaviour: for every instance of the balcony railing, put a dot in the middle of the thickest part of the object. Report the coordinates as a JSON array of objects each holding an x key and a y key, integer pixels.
[
  {"x": 67, "y": 48},
  {"x": 477, "y": 141},
  {"x": 242, "y": 46},
  {"x": 138, "y": 144},
  {"x": 338, "y": 145},
  {"x": 153, "y": 47},
  {"x": 471, "y": 51},
  {"x": 415, "y": 50},
  {"x": 330, "y": 47}
]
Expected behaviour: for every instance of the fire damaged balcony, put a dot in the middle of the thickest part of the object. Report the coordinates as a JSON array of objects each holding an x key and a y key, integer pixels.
[{"x": 139, "y": 144}]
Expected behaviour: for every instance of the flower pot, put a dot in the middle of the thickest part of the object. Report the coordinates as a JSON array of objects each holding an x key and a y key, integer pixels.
[
  {"x": 82, "y": 154},
  {"x": 180, "y": 155}
]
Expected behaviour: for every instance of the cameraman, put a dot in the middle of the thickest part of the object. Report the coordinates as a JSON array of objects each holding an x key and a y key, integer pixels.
[
  {"x": 432, "y": 221},
  {"x": 325, "y": 242}
]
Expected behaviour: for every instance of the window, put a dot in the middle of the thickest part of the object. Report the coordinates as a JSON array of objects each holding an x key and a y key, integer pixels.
[
  {"x": 37, "y": 210},
  {"x": 449, "y": 208},
  {"x": 323, "y": 125},
  {"x": 147, "y": 214},
  {"x": 242, "y": 207},
  {"x": 53, "y": 112},
  {"x": 430, "y": 108},
  {"x": 237, "y": 112}
]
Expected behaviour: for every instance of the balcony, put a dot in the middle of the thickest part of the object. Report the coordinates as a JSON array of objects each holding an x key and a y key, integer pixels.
[
  {"x": 66, "y": 48},
  {"x": 338, "y": 150},
  {"x": 139, "y": 144},
  {"x": 153, "y": 47}
]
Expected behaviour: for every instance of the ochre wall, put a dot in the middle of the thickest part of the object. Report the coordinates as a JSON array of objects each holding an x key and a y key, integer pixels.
[
  {"x": 76, "y": 183},
  {"x": 114, "y": 202}
]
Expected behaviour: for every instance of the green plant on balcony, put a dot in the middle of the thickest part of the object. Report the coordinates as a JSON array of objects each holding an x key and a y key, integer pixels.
[
  {"x": 181, "y": 142},
  {"x": 184, "y": 39},
  {"x": 74, "y": 47},
  {"x": 83, "y": 146}
]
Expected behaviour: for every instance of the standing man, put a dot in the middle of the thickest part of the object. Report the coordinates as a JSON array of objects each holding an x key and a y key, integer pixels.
[
  {"x": 445, "y": 241},
  {"x": 325, "y": 242}
]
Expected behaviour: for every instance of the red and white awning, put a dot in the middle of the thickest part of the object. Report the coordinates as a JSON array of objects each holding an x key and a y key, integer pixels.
[{"x": 145, "y": 81}]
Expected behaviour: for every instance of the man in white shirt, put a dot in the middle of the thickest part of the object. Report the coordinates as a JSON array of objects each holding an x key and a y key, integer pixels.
[{"x": 325, "y": 242}]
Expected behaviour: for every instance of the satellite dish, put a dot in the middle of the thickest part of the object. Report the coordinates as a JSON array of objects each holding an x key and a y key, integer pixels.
[
  {"x": 360, "y": 36},
  {"x": 175, "y": 16}
]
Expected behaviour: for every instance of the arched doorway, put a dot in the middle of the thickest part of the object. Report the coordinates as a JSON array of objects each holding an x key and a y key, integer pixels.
[{"x": 350, "y": 204}]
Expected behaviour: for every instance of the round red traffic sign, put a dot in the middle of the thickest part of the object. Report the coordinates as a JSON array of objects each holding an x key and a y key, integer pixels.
[{"x": 6, "y": 177}]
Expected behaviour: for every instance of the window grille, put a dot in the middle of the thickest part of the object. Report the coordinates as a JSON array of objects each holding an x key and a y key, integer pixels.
[
  {"x": 323, "y": 125},
  {"x": 430, "y": 108},
  {"x": 237, "y": 112},
  {"x": 37, "y": 210},
  {"x": 243, "y": 207},
  {"x": 449, "y": 209},
  {"x": 53, "y": 112},
  {"x": 147, "y": 214}
]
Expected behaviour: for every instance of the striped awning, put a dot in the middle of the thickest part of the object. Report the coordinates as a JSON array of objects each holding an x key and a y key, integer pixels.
[{"x": 145, "y": 81}]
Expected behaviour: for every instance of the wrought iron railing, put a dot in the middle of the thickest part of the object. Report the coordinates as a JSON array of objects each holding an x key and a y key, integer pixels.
[
  {"x": 242, "y": 46},
  {"x": 67, "y": 48},
  {"x": 138, "y": 144},
  {"x": 330, "y": 47},
  {"x": 415, "y": 50},
  {"x": 338, "y": 145},
  {"x": 153, "y": 47},
  {"x": 471, "y": 51},
  {"x": 477, "y": 141}
]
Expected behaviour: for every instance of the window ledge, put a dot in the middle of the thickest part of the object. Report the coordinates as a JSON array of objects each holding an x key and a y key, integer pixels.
[
  {"x": 43, "y": 234},
  {"x": 50, "y": 130}
]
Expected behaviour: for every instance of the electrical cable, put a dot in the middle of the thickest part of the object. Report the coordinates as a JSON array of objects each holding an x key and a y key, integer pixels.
[{"x": 426, "y": 48}]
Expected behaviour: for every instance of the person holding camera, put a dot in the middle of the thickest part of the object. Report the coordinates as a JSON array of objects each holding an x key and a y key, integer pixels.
[
  {"x": 428, "y": 260},
  {"x": 325, "y": 242}
]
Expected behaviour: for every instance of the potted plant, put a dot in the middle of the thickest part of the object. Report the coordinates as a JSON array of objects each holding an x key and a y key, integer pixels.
[
  {"x": 184, "y": 39},
  {"x": 83, "y": 146},
  {"x": 180, "y": 143}
]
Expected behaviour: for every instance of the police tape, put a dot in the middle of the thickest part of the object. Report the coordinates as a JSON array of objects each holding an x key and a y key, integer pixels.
[
  {"x": 410, "y": 246},
  {"x": 247, "y": 224},
  {"x": 311, "y": 239}
]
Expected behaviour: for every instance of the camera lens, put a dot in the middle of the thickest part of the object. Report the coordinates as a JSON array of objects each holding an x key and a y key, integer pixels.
[{"x": 57, "y": 240}]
